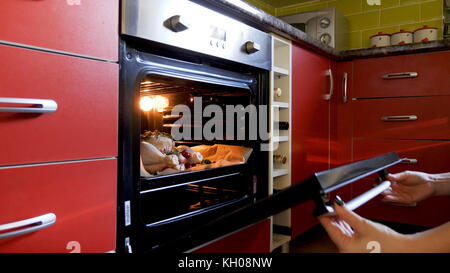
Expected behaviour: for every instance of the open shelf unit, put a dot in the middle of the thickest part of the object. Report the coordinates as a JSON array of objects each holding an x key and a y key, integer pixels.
[{"x": 280, "y": 140}]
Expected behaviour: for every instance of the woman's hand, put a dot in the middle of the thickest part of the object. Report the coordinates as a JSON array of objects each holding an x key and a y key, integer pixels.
[
  {"x": 409, "y": 187},
  {"x": 352, "y": 233}
]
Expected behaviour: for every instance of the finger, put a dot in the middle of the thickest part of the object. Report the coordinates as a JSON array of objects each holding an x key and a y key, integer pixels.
[
  {"x": 353, "y": 219},
  {"x": 394, "y": 177},
  {"x": 345, "y": 228},
  {"x": 387, "y": 191},
  {"x": 332, "y": 228}
]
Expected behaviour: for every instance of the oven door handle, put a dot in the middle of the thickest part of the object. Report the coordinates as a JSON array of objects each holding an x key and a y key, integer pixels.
[
  {"x": 361, "y": 199},
  {"x": 38, "y": 106},
  {"x": 26, "y": 226}
]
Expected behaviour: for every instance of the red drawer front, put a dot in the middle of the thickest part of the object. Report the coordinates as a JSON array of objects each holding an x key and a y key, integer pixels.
[
  {"x": 432, "y": 69},
  {"x": 82, "y": 196},
  {"x": 431, "y": 157},
  {"x": 78, "y": 26},
  {"x": 432, "y": 115},
  {"x": 427, "y": 156},
  {"x": 83, "y": 126},
  {"x": 254, "y": 239}
]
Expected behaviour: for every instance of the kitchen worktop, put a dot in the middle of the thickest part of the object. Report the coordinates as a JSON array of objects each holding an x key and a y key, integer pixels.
[{"x": 269, "y": 23}]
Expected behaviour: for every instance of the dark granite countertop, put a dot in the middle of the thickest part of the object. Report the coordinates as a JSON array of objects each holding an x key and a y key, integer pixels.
[{"x": 269, "y": 23}]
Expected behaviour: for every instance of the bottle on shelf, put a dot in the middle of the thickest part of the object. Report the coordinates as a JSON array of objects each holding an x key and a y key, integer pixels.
[
  {"x": 280, "y": 159},
  {"x": 281, "y": 125},
  {"x": 278, "y": 92}
]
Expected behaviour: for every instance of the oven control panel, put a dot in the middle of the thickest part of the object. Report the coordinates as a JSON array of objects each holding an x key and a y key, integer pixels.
[{"x": 187, "y": 25}]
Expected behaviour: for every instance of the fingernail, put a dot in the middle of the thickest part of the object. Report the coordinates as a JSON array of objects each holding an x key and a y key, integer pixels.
[{"x": 338, "y": 200}]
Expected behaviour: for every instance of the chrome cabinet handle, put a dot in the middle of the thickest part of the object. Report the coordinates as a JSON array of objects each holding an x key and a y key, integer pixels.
[
  {"x": 39, "y": 106},
  {"x": 363, "y": 198},
  {"x": 401, "y": 75},
  {"x": 409, "y": 161},
  {"x": 399, "y": 118},
  {"x": 27, "y": 225},
  {"x": 344, "y": 87},
  {"x": 328, "y": 96}
]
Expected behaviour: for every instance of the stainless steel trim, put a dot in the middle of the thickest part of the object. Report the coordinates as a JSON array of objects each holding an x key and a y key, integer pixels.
[
  {"x": 330, "y": 74},
  {"x": 344, "y": 87},
  {"x": 409, "y": 161},
  {"x": 26, "y": 226},
  {"x": 399, "y": 118},
  {"x": 42, "y": 106},
  {"x": 400, "y": 75},
  {"x": 184, "y": 24}
]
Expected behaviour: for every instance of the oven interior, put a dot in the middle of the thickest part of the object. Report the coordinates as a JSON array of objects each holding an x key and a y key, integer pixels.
[{"x": 188, "y": 195}]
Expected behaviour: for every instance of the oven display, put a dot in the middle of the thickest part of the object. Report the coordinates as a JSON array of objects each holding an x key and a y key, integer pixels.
[{"x": 217, "y": 33}]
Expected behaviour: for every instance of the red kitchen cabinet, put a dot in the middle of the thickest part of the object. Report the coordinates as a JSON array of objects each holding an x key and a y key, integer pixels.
[
  {"x": 77, "y": 26},
  {"x": 432, "y": 73},
  {"x": 403, "y": 118},
  {"x": 253, "y": 239},
  {"x": 82, "y": 196},
  {"x": 310, "y": 126},
  {"x": 404, "y": 115},
  {"x": 85, "y": 122}
]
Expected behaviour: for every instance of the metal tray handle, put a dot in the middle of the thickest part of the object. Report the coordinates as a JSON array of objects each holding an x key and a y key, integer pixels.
[
  {"x": 26, "y": 226},
  {"x": 363, "y": 198},
  {"x": 39, "y": 106}
]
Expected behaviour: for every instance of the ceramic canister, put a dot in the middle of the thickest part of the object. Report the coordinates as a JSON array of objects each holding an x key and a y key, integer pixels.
[
  {"x": 380, "y": 39},
  {"x": 425, "y": 34},
  {"x": 402, "y": 37}
]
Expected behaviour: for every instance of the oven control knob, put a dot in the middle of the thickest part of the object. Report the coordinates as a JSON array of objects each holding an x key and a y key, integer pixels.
[
  {"x": 252, "y": 47},
  {"x": 176, "y": 23}
]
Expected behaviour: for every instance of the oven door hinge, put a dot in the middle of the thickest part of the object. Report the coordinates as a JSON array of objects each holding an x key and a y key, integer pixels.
[
  {"x": 127, "y": 211},
  {"x": 128, "y": 245}
]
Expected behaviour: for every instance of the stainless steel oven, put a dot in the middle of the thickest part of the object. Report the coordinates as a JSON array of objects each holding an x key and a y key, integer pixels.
[{"x": 179, "y": 53}]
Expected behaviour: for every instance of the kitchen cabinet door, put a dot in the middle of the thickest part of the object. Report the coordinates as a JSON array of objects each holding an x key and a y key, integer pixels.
[
  {"x": 80, "y": 195},
  {"x": 253, "y": 239},
  {"x": 77, "y": 26},
  {"x": 310, "y": 126},
  {"x": 391, "y": 76},
  {"x": 84, "y": 124}
]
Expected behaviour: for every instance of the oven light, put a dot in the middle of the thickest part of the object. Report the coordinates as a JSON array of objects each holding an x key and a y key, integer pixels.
[
  {"x": 146, "y": 104},
  {"x": 161, "y": 103}
]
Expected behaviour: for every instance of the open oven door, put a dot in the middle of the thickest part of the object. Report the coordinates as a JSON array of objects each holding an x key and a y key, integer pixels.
[{"x": 316, "y": 188}]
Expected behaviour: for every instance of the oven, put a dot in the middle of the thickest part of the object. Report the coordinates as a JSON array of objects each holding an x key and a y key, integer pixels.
[{"x": 193, "y": 120}]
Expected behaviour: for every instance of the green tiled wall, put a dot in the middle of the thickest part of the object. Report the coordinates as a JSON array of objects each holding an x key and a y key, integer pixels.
[{"x": 366, "y": 20}]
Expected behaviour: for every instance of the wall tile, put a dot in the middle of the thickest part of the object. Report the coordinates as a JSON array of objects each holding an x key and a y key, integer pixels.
[
  {"x": 364, "y": 20},
  {"x": 355, "y": 39},
  {"x": 349, "y": 6},
  {"x": 404, "y": 14},
  {"x": 431, "y": 10}
]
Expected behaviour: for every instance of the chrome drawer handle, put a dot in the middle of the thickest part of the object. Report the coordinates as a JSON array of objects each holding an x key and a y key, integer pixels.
[
  {"x": 27, "y": 225},
  {"x": 399, "y": 118},
  {"x": 330, "y": 74},
  {"x": 344, "y": 87},
  {"x": 39, "y": 106},
  {"x": 409, "y": 161},
  {"x": 401, "y": 75}
]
